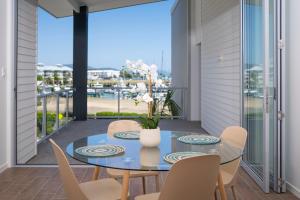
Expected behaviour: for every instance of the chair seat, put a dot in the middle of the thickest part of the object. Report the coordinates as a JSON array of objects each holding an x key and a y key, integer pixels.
[
  {"x": 116, "y": 173},
  {"x": 104, "y": 189},
  {"x": 153, "y": 196}
]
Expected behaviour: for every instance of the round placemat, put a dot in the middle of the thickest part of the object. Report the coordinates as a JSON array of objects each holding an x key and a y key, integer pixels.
[
  {"x": 104, "y": 150},
  {"x": 199, "y": 139},
  {"x": 176, "y": 156},
  {"x": 128, "y": 135}
]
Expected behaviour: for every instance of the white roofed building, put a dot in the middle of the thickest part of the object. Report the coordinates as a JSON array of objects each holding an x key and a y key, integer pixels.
[
  {"x": 50, "y": 70},
  {"x": 103, "y": 73}
]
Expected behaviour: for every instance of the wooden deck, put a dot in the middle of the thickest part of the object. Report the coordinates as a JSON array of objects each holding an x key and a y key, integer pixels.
[
  {"x": 39, "y": 183},
  {"x": 45, "y": 184}
]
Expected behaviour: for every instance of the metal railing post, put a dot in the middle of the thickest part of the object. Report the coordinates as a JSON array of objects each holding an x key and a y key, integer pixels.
[
  {"x": 67, "y": 106},
  {"x": 44, "y": 119},
  {"x": 118, "y": 103},
  {"x": 183, "y": 102},
  {"x": 57, "y": 112}
]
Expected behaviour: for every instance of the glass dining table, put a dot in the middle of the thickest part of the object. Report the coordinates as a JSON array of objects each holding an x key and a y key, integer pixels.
[{"x": 139, "y": 158}]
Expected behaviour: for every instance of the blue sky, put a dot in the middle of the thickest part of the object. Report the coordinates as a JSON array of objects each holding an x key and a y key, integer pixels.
[{"x": 138, "y": 32}]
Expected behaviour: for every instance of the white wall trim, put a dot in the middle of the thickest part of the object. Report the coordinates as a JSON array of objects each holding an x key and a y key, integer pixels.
[
  {"x": 293, "y": 189},
  {"x": 10, "y": 97},
  {"x": 3, "y": 167}
]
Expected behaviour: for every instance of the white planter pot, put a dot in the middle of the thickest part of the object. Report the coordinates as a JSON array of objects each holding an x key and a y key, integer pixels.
[
  {"x": 150, "y": 137},
  {"x": 149, "y": 156}
]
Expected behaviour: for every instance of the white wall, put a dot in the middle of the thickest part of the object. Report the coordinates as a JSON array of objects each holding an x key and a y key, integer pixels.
[
  {"x": 6, "y": 83},
  {"x": 180, "y": 49},
  {"x": 3, "y": 55},
  {"x": 26, "y": 80},
  {"x": 194, "y": 65},
  {"x": 293, "y": 96},
  {"x": 210, "y": 28},
  {"x": 220, "y": 65},
  {"x": 179, "y": 39}
]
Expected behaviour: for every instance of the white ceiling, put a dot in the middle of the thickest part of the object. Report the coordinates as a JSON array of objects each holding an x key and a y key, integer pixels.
[{"x": 64, "y": 8}]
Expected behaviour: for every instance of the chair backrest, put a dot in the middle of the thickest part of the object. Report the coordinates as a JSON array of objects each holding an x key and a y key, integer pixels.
[
  {"x": 192, "y": 178},
  {"x": 70, "y": 182},
  {"x": 235, "y": 135},
  {"x": 123, "y": 125}
]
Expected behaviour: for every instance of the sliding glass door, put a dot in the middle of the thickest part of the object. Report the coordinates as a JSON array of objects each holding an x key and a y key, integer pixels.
[{"x": 260, "y": 91}]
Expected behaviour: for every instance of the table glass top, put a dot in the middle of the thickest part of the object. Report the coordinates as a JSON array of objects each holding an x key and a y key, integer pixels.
[{"x": 137, "y": 157}]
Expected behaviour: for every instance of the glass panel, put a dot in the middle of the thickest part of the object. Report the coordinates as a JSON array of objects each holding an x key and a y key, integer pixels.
[
  {"x": 272, "y": 85},
  {"x": 62, "y": 116},
  {"x": 128, "y": 107},
  {"x": 102, "y": 102},
  {"x": 51, "y": 114},
  {"x": 143, "y": 158},
  {"x": 253, "y": 71},
  {"x": 170, "y": 102},
  {"x": 39, "y": 122},
  {"x": 70, "y": 105},
  {"x": 256, "y": 78}
]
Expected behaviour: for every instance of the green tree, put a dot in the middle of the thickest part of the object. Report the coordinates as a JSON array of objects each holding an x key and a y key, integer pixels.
[
  {"x": 39, "y": 78},
  {"x": 49, "y": 81},
  {"x": 125, "y": 74},
  {"x": 66, "y": 78},
  {"x": 56, "y": 78}
]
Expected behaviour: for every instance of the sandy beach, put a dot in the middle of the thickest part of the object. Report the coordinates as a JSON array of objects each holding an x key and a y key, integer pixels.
[{"x": 96, "y": 104}]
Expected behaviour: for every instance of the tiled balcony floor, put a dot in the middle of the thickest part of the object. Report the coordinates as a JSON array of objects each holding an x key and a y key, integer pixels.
[{"x": 45, "y": 184}]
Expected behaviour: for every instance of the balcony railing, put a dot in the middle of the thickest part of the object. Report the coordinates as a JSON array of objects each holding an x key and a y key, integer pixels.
[
  {"x": 118, "y": 102},
  {"x": 54, "y": 111}
]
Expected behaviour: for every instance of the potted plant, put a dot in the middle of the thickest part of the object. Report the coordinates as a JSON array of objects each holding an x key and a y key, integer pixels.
[{"x": 150, "y": 133}]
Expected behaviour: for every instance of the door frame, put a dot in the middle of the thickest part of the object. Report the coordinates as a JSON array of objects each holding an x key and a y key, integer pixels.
[
  {"x": 278, "y": 182},
  {"x": 280, "y": 185}
]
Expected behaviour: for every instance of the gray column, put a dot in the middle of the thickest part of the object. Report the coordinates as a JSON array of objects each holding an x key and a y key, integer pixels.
[{"x": 80, "y": 63}]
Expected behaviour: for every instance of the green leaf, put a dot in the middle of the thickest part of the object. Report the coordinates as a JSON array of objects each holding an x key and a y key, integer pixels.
[
  {"x": 171, "y": 105},
  {"x": 149, "y": 123}
]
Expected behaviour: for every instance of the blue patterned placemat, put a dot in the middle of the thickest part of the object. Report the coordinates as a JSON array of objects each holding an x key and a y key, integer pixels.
[
  {"x": 103, "y": 150},
  {"x": 199, "y": 139},
  {"x": 176, "y": 156},
  {"x": 128, "y": 135}
]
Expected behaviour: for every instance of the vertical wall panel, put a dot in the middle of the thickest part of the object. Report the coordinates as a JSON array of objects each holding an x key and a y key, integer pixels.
[
  {"x": 3, "y": 84},
  {"x": 26, "y": 80},
  {"x": 220, "y": 65},
  {"x": 180, "y": 46}
]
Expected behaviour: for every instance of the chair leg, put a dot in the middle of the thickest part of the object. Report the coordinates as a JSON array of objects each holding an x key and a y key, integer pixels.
[
  {"x": 157, "y": 183},
  {"x": 125, "y": 185},
  {"x": 96, "y": 173},
  {"x": 144, "y": 184},
  {"x": 234, "y": 193},
  {"x": 216, "y": 195}
]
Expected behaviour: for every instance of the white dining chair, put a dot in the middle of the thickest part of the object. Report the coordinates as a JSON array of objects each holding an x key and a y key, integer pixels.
[
  {"x": 189, "y": 179},
  {"x": 104, "y": 189},
  {"x": 127, "y": 125},
  {"x": 235, "y": 136}
]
